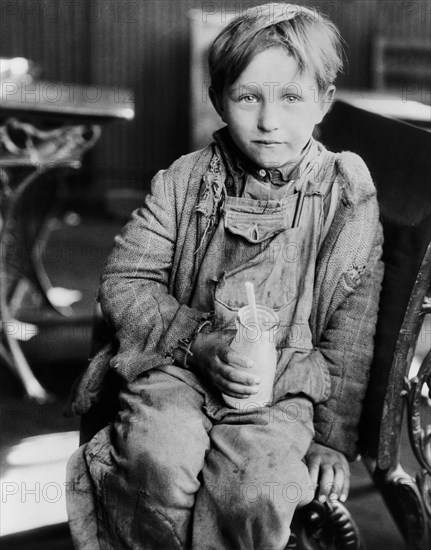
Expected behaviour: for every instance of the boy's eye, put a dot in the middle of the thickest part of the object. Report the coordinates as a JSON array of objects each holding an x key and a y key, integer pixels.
[
  {"x": 248, "y": 98},
  {"x": 291, "y": 98}
]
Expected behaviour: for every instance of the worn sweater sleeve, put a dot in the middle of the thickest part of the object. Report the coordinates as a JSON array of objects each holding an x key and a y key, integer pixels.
[
  {"x": 148, "y": 321},
  {"x": 347, "y": 345}
]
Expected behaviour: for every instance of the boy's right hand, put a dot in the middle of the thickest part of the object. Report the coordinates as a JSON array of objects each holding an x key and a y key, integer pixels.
[{"x": 226, "y": 369}]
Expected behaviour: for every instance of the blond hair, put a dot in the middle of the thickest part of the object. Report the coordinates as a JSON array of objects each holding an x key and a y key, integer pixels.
[{"x": 312, "y": 39}]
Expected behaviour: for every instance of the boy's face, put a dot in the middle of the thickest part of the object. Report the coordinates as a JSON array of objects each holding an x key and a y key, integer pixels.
[{"x": 272, "y": 108}]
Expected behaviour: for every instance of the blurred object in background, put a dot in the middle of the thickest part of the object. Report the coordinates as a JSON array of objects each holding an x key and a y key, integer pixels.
[
  {"x": 203, "y": 118},
  {"x": 403, "y": 66},
  {"x": 34, "y": 482},
  {"x": 18, "y": 68}
]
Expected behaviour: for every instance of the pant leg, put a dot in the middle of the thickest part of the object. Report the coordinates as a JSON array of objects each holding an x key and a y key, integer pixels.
[
  {"x": 145, "y": 467},
  {"x": 254, "y": 478},
  {"x": 80, "y": 503}
]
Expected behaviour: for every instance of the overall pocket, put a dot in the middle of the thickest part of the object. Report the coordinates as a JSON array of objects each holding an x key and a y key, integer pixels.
[
  {"x": 256, "y": 228},
  {"x": 274, "y": 272}
]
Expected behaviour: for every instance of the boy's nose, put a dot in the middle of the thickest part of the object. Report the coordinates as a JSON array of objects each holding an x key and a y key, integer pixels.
[{"x": 268, "y": 117}]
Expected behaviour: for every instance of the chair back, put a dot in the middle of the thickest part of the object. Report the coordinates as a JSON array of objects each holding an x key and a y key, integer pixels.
[{"x": 398, "y": 157}]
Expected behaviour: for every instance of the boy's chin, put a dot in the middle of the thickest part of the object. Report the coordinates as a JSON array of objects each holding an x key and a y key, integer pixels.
[{"x": 272, "y": 157}]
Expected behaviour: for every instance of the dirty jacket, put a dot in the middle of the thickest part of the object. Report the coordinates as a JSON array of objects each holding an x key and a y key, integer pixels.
[{"x": 148, "y": 281}]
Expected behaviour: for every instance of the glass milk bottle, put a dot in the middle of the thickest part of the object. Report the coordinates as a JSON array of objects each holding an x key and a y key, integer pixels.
[{"x": 256, "y": 341}]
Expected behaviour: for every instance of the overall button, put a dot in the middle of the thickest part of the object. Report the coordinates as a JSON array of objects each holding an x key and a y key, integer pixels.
[{"x": 262, "y": 173}]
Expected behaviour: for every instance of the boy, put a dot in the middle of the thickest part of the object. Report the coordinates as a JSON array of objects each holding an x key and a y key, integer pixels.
[{"x": 266, "y": 203}]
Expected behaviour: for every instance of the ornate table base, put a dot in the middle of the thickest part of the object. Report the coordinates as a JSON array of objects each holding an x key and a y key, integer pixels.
[{"x": 28, "y": 154}]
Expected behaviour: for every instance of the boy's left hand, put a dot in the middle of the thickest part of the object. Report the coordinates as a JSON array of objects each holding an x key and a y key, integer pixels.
[{"x": 329, "y": 472}]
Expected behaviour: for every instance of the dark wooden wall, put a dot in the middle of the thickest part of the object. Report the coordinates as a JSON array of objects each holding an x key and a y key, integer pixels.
[{"x": 143, "y": 45}]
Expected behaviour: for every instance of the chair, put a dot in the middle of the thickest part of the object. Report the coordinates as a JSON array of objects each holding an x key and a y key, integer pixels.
[{"x": 397, "y": 155}]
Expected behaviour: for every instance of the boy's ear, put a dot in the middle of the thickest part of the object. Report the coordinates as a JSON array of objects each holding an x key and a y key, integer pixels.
[
  {"x": 328, "y": 98},
  {"x": 217, "y": 102}
]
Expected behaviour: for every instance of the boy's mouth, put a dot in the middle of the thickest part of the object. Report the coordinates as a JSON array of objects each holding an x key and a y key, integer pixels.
[{"x": 268, "y": 142}]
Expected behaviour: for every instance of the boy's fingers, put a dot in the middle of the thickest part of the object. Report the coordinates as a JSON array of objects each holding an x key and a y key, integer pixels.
[
  {"x": 346, "y": 487},
  {"x": 238, "y": 396},
  {"x": 238, "y": 389},
  {"x": 234, "y": 389},
  {"x": 338, "y": 484},
  {"x": 325, "y": 482},
  {"x": 313, "y": 470},
  {"x": 233, "y": 358},
  {"x": 236, "y": 374}
]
